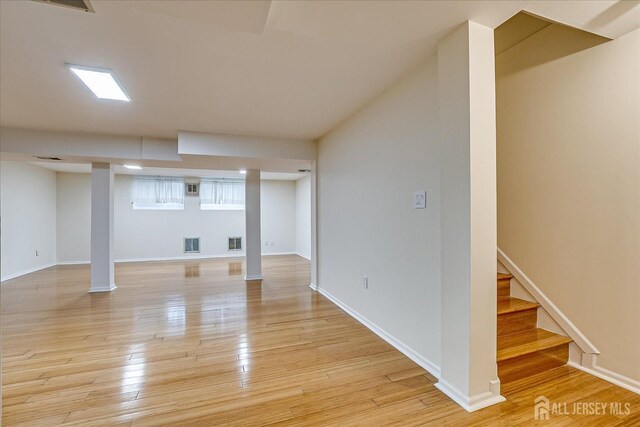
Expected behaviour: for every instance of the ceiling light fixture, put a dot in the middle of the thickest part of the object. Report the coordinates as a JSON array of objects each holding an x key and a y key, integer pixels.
[
  {"x": 134, "y": 167},
  {"x": 101, "y": 81},
  {"x": 243, "y": 171}
]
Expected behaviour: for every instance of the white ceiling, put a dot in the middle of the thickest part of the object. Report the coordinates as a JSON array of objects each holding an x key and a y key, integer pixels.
[
  {"x": 279, "y": 69},
  {"x": 201, "y": 173}
]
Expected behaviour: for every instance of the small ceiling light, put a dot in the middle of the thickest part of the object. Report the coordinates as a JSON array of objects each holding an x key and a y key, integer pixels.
[
  {"x": 101, "y": 81},
  {"x": 134, "y": 167},
  {"x": 243, "y": 171}
]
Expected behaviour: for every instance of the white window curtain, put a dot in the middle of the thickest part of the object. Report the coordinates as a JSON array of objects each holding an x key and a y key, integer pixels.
[
  {"x": 221, "y": 195},
  {"x": 158, "y": 193}
]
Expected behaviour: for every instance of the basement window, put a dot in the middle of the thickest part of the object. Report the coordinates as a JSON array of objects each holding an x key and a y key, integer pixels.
[
  {"x": 156, "y": 193},
  {"x": 191, "y": 245},
  {"x": 235, "y": 244},
  {"x": 221, "y": 195}
]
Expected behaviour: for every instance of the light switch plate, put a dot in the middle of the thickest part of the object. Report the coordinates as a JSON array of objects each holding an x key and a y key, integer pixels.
[{"x": 420, "y": 200}]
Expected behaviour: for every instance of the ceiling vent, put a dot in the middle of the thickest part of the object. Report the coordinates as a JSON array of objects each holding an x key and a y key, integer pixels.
[
  {"x": 83, "y": 5},
  {"x": 57, "y": 159}
]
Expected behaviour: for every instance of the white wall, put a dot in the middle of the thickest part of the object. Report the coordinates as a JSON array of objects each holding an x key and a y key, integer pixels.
[
  {"x": 569, "y": 181},
  {"x": 28, "y": 214},
  {"x": 74, "y": 217},
  {"x": 278, "y": 216},
  {"x": 369, "y": 168},
  {"x": 303, "y": 217},
  {"x": 143, "y": 234}
]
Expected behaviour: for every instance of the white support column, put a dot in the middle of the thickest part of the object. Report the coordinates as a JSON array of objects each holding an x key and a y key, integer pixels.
[
  {"x": 314, "y": 227},
  {"x": 253, "y": 244},
  {"x": 102, "y": 263},
  {"x": 466, "y": 81}
]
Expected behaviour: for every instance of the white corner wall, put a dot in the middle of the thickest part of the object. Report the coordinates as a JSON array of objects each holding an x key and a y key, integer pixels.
[
  {"x": 303, "y": 217},
  {"x": 28, "y": 212},
  {"x": 156, "y": 234},
  {"x": 569, "y": 182},
  {"x": 466, "y": 78},
  {"x": 369, "y": 168}
]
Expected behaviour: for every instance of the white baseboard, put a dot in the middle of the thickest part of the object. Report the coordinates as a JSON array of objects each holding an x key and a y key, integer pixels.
[
  {"x": 610, "y": 376},
  {"x": 107, "y": 288},
  {"x": 279, "y": 253},
  {"x": 177, "y": 258},
  {"x": 256, "y": 277},
  {"x": 399, "y": 345},
  {"x": 156, "y": 259},
  {"x": 303, "y": 256},
  {"x": 313, "y": 286},
  {"x": 469, "y": 403},
  {"x": 558, "y": 316},
  {"x": 22, "y": 273}
]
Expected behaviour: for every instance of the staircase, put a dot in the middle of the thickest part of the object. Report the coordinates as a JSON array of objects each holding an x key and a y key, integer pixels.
[{"x": 524, "y": 349}]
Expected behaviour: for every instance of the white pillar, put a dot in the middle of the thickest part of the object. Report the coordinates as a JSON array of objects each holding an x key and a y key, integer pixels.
[
  {"x": 253, "y": 244},
  {"x": 314, "y": 227},
  {"x": 466, "y": 81},
  {"x": 102, "y": 264}
]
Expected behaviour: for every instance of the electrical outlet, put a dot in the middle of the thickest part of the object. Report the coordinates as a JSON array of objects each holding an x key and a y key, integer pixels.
[{"x": 365, "y": 281}]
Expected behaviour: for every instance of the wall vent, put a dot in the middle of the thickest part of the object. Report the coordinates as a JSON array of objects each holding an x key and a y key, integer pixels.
[
  {"x": 48, "y": 158},
  {"x": 235, "y": 243},
  {"x": 191, "y": 245},
  {"x": 191, "y": 189},
  {"x": 83, "y": 5}
]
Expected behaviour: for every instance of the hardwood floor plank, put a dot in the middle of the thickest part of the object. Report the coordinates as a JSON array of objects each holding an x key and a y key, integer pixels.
[{"x": 169, "y": 347}]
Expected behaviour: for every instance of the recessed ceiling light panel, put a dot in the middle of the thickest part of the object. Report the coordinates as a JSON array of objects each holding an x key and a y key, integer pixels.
[
  {"x": 101, "y": 81},
  {"x": 134, "y": 167}
]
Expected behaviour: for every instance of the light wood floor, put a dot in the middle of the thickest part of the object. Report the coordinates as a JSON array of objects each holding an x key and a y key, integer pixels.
[{"x": 189, "y": 343}]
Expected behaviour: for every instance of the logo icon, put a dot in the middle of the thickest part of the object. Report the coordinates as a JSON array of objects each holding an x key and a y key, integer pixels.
[{"x": 541, "y": 408}]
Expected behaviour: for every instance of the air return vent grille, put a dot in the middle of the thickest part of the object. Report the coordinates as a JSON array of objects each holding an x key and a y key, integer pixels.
[
  {"x": 73, "y": 4},
  {"x": 191, "y": 189},
  {"x": 191, "y": 245},
  {"x": 235, "y": 244}
]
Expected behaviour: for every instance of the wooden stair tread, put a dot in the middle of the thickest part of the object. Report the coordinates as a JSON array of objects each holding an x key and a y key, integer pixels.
[
  {"x": 512, "y": 305},
  {"x": 527, "y": 342},
  {"x": 505, "y": 276}
]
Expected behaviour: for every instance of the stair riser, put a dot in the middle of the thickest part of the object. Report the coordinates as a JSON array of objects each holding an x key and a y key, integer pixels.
[
  {"x": 504, "y": 287},
  {"x": 532, "y": 363},
  {"x": 509, "y": 323}
]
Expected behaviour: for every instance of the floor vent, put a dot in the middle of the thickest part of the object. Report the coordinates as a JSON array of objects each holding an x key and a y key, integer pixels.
[{"x": 83, "y": 5}]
